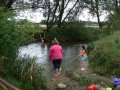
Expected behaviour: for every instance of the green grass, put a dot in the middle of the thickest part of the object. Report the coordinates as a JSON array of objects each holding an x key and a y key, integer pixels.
[{"x": 105, "y": 55}]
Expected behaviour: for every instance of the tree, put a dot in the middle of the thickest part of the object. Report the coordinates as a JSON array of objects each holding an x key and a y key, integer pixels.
[
  {"x": 7, "y": 3},
  {"x": 57, "y": 11},
  {"x": 117, "y": 6},
  {"x": 96, "y": 8},
  {"x": 113, "y": 6},
  {"x": 2, "y": 2}
]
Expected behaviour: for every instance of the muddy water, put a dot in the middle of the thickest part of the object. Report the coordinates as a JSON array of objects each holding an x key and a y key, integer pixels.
[{"x": 41, "y": 52}]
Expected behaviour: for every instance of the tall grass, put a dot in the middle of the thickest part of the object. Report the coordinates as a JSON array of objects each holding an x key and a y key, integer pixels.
[{"x": 30, "y": 74}]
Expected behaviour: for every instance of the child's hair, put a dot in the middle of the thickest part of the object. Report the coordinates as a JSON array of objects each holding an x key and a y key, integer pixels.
[
  {"x": 55, "y": 42},
  {"x": 83, "y": 47}
]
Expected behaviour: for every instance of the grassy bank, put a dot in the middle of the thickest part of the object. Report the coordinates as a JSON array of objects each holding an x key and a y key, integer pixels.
[{"x": 104, "y": 57}]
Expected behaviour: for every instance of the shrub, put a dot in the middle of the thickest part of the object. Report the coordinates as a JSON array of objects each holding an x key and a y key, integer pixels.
[
  {"x": 105, "y": 57},
  {"x": 69, "y": 32},
  {"x": 114, "y": 22},
  {"x": 75, "y": 32},
  {"x": 28, "y": 31},
  {"x": 17, "y": 72},
  {"x": 9, "y": 42}
]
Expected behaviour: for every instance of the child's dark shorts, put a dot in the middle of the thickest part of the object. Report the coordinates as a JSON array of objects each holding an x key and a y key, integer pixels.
[{"x": 57, "y": 63}]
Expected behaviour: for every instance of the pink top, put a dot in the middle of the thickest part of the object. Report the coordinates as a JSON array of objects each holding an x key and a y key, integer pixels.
[{"x": 55, "y": 52}]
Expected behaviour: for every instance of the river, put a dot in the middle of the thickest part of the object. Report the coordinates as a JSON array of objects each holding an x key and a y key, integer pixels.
[{"x": 41, "y": 52}]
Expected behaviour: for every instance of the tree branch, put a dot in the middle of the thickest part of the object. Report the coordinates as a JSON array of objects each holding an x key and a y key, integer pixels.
[
  {"x": 70, "y": 10},
  {"x": 56, "y": 6}
]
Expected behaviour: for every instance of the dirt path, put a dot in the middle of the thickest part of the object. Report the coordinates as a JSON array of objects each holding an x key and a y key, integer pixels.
[{"x": 78, "y": 80}]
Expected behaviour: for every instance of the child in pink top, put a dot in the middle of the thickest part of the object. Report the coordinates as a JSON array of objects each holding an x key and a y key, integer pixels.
[{"x": 56, "y": 56}]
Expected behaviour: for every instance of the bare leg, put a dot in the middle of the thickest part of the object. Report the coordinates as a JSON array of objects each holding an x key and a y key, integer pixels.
[
  {"x": 55, "y": 72},
  {"x": 83, "y": 65}
]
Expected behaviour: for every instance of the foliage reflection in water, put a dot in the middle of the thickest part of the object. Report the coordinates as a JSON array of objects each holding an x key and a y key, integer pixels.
[{"x": 41, "y": 52}]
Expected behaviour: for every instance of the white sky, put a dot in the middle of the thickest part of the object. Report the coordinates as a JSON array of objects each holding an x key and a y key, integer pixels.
[
  {"x": 30, "y": 15},
  {"x": 86, "y": 16},
  {"x": 36, "y": 16}
]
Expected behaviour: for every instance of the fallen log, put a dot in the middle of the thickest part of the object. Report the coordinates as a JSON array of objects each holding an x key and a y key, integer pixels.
[
  {"x": 5, "y": 83},
  {"x": 5, "y": 88}
]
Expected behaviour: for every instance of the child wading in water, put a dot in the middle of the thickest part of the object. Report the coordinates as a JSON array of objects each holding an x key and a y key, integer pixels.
[
  {"x": 56, "y": 56},
  {"x": 84, "y": 57}
]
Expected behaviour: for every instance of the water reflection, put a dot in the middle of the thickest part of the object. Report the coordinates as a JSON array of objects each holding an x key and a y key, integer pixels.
[
  {"x": 41, "y": 52},
  {"x": 38, "y": 51}
]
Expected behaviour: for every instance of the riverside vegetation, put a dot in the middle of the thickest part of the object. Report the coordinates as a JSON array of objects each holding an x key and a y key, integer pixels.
[
  {"x": 25, "y": 74},
  {"x": 104, "y": 53}
]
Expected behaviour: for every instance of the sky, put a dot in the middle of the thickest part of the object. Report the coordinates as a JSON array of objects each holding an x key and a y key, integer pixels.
[
  {"x": 86, "y": 16},
  {"x": 36, "y": 16},
  {"x": 30, "y": 15}
]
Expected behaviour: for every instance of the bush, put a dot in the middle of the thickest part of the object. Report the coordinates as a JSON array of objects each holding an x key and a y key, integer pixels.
[
  {"x": 69, "y": 32},
  {"x": 9, "y": 42},
  {"x": 105, "y": 57},
  {"x": 25, "y": 74},
  {"x": 28, "y": 31},
  {"x": 114, "y": 22},
  {"x": 75, "y": 32}
]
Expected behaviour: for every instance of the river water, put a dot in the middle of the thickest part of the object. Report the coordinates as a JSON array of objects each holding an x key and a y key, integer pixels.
[{"x": 41, "y": 52}]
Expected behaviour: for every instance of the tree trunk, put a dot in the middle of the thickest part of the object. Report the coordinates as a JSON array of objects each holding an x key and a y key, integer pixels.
[
  {"x": 47, "y": 22},
  {"x": 61, "y": 14},
  {"x": 99, "y": 22},
  {"x": 117, "y": 6},
  {"x": 56, "y": 6},
  {"x": 98, "y": 15},
  {"x": 9, "y": 4}
]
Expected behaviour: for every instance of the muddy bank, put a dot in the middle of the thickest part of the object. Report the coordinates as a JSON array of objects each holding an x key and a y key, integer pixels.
[{"x": 75, "y": 79}]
